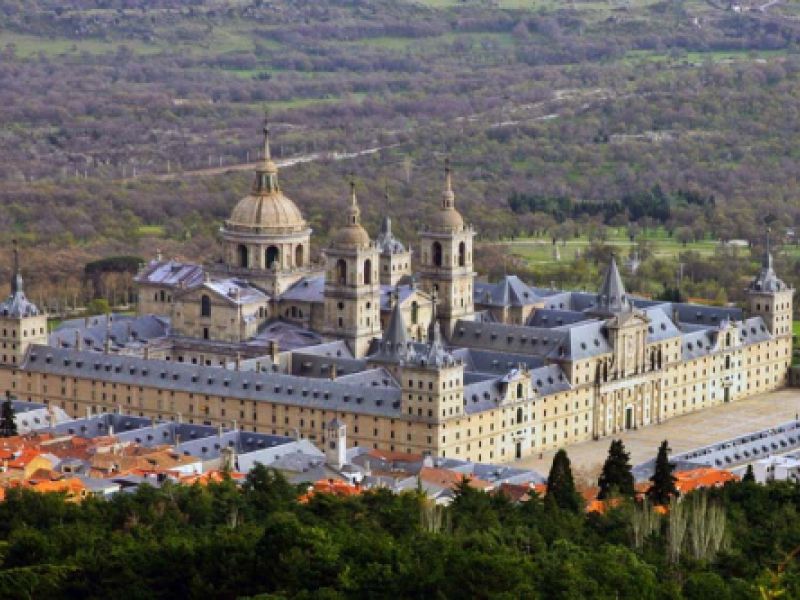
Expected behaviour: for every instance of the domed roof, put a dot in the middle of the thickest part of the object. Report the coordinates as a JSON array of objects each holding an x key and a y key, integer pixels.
[
  {"x": 266, "y": 209},
  {"x": 447, "y": 218},
  {"x": 352, "y": 235}
]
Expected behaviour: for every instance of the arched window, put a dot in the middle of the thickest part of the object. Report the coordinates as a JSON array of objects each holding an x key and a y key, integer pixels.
[
  {"x": 462, "y": 254},
  {"x": 244, "y": 261},
  {"x": 520, "y": 390},
  {"x": 437, "y": 254},
  {"x": 341, "y": 271},
  {"x": 519, "y": 415},
  {"x": 162, "y": 296},
  {"x": 273, "y": 256},
  {"x": 298, "y": 256},
  {"x": 414, "y": 312},
  {"x": 205, "y": 306},
  {"x": 368, "y": 272}
]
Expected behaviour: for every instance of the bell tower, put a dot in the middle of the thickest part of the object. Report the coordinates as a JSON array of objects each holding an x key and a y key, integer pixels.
[
  {"x": 352, "y": 286},
  {"x": 446, "y": 267}
]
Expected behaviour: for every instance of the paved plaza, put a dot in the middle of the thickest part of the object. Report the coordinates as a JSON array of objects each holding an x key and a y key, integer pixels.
[{"x": 684, "y": 433}]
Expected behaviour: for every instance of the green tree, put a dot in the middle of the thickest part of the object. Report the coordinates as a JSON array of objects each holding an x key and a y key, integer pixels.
[
  {"x": 561, "y": 484},
  {"x": 663, "y": 481},
  {"x": 616, "y": 476},
  {"x": 749, "y": 476},
  {"x": 98, "y": 306},
  {"x": 8, "y": 422}
]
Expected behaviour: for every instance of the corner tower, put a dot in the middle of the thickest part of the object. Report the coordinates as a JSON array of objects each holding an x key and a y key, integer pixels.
[
  {"x": 266, "y": 239},
  {"x": 770, "y": 298},
  {"x": 446, "y": 267},
  {"x": 21, "y": 321},
  {"x": 352, "y": 287}
]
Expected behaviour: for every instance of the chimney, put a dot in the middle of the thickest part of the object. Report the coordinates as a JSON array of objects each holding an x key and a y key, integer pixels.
[
  {"x": 274, "y": 351},
  {"x": 147, "y": 352},
  {"x": 78, "y": 340},
  {"x": 238, "y": 361},
  {"x": 333, "y": 371}
]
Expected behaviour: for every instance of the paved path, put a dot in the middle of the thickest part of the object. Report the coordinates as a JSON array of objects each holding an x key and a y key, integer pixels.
[{"x": 684, "y": 433}]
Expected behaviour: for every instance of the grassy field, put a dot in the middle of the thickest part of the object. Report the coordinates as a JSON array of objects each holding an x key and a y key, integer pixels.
[
  {"x": 29, "y": 45},
  {"x": 541, "y": 250},
  {"x": 151, "y": 231}
]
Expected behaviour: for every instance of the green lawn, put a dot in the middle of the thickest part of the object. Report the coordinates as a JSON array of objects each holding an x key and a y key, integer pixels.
[
  {"x": 151, "y": 230},
  {"x": 541, "y": 250}
]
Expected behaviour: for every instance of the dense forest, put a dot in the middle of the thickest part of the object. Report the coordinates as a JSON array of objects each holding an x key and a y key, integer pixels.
[
  {"x": 560, "y": 118},
  {"x": 258, "y": 541}
]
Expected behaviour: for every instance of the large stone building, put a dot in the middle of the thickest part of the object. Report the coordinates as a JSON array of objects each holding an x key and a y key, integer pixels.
[{"x": 270, "y": 342}]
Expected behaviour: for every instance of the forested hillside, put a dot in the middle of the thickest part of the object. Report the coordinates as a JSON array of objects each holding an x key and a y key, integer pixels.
[{"x": 560, "y": 118}]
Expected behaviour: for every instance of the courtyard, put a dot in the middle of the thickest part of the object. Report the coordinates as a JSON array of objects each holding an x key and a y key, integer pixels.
[{"x": 683, "y": 433}]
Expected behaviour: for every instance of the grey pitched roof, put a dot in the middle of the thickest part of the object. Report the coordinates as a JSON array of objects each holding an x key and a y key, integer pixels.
[
  {"x": 549, "y": 379},
  {"x": 245, "y": 385},
  {"x": 393, "y": 346},
  {"x": 308, "y": 289},
  {"x": 705, "y": 315},
  {"x": 235, "y": 291},
  {"x": 517, "y": 339},
  {"x": 477, "y": 360},
  {"x": 581, "y": 340},
  {"x": 612, "y": 298},
  {"x": 509, "y": 291},
  {"x": 698, "y": 343},
  {"x": 171, "y": 273},
  {"x": 660, "y": 326},
  {"x": 545, "y": 317},
  {"x": 289, "y": 336},
  {"x": 123, "y": 330},
  {"x": 401, "y": 293}
]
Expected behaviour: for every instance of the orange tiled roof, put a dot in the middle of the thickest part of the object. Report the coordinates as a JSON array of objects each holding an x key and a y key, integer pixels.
[
  {"x": 448, "y": 478},
  {"x": 702, "y": 478},
  {"x": 395, "y": 456},
  {"x": 516, "y": 492},
  {"x": 330, "y": 486}
]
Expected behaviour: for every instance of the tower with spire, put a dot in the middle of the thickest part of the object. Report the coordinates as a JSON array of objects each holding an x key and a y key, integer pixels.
[
  {"x": 266, "y": 239},
  {"x": 446, "y": 266},
  {"x": 21, "y": 321},
  {"x": 770, "y": 298},
  {"x": 395, "y": 259},
  {"x": 352, "y": 285}
]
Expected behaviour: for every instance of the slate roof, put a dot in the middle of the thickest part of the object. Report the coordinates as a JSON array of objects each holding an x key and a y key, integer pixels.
[
  {"x": 308, "y": 289},
  {"x": 171, "y": 273},
  {"x": 125, "y": 329},
  {"x": 246, "y": 385},
  {"x": 289, "y": 336},
  {"x": 767, "y": 280},
  {"x": 509, "y": 291},
  {"x": 235, "y": 291},
  {"x": 546, "y": 317}
]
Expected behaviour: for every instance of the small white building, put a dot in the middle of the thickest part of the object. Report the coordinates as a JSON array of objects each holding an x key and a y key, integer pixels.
[{"x": 777, "y": 468}]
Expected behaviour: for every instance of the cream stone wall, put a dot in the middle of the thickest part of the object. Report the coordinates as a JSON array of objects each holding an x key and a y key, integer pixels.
[{"x": 17, "y": 334}]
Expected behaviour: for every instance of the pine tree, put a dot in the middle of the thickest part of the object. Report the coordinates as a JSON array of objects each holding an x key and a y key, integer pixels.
[
  {"x": 616, "y": 476},
  {"x": 663, "y": 487},
  {"x": 8, "y": 422},
  {"x": 749, "y": 476},
  {"x": 561, "y": 485}
]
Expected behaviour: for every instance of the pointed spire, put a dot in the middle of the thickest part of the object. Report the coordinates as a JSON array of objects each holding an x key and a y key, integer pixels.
[
  {"x": 612, "y": 297},
  {"x": 266, "y": 173},
  {"x": 448, "y": 196},
  {"x": 395, "y": 335},
  {"x": 16, "y": 279},
  {"x": 355, "y": 212},
  {"x": 267, "y": 153},
  {"x": 433, "y": 326},
  {"x": 767, "y": 260}
]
